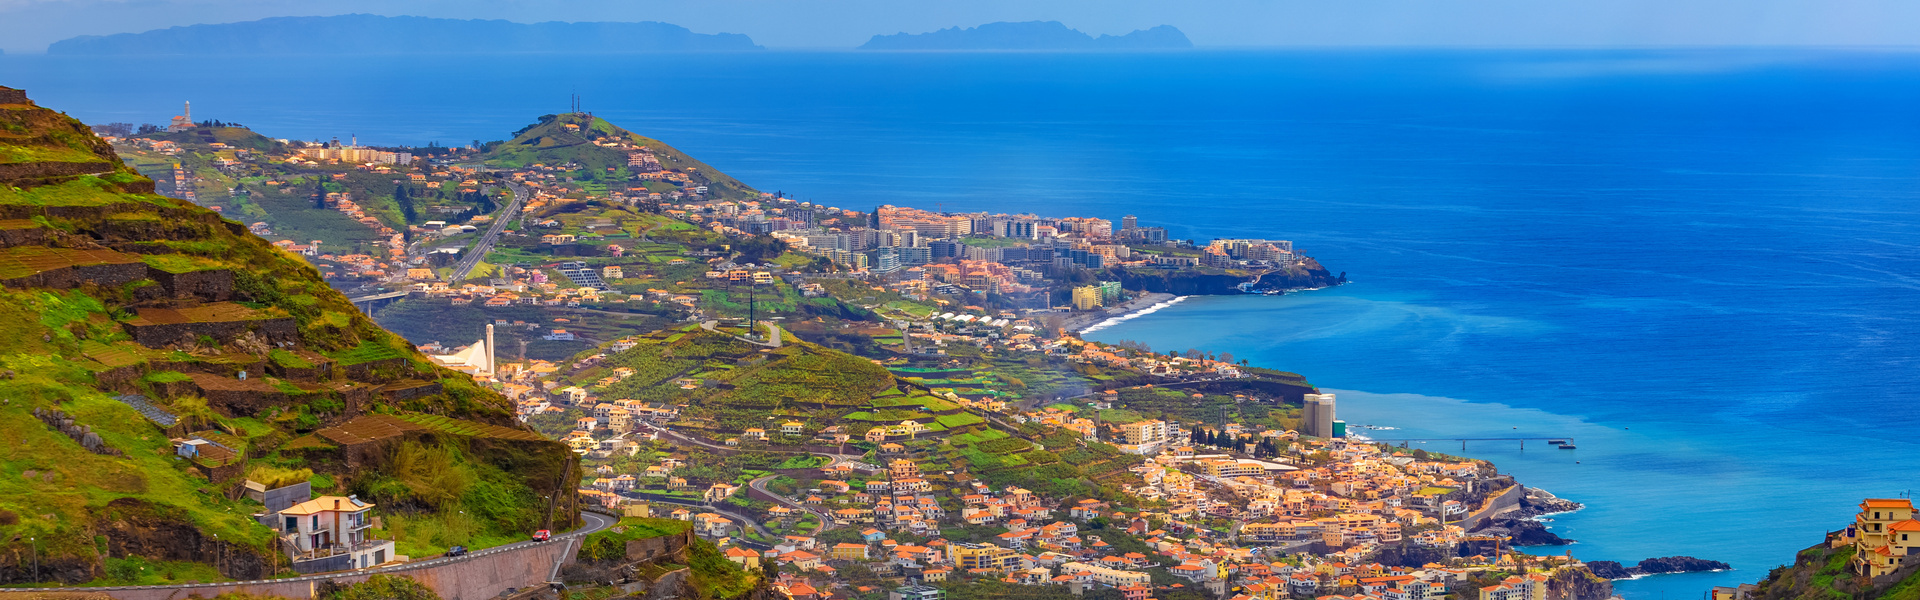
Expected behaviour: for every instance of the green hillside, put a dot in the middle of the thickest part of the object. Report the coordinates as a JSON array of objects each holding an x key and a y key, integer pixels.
[
  {"x": 1824, "y": 572},
  {"x": 551, "y": 142},
  {"x": 729, "y": 385},
  {"x": 131, "y": 319}
]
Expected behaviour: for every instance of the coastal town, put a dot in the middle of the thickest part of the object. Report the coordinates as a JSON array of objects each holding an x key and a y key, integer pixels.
[{"x": 642, "y": 308}]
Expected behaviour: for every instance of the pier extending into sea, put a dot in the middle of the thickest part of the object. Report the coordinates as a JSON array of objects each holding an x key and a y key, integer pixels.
[{"x": 1463, "y": 441}]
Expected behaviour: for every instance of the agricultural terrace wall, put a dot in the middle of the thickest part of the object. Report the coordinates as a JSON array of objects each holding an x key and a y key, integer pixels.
[
  {"x": 25, "y": 236},
  {"x": 69, "y": 277},
  {"x": 385, "y": 370},
  {"x": 212, "y": 285},
  {"x": 672, "y": 546},
  {"x": 275, "y": 330},
  {"x": 399, "y": 392},
  {"x": 44, "y": 170}
]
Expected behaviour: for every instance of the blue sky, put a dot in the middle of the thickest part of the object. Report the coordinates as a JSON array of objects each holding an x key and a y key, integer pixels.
[{"x": 27, "y": 26}]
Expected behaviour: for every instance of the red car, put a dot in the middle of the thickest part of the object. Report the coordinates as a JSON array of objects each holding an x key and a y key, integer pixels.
[{"x": 542, "y": 535}]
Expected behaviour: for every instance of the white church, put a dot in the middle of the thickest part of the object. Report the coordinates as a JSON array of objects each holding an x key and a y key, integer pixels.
[{"x": 476, "y": 360}]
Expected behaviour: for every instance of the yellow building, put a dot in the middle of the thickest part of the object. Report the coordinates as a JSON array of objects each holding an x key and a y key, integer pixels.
[
  {"x": 1086, "y": 297},
  {"x": 966, "y": 556},
  {"x": 1232, "y": 468},
  {"x": 1883, "y": 533},
  {"x": 1144, "y": 432},
  {"x": 845, "y": 551},
  {"x": 743, "y": 557},
  {"x": 1532, "y": 586}
]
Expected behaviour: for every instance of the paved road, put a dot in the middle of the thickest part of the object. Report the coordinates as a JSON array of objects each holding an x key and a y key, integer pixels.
[
  {"x": 593, "y": 522},
  {"x": 826, "y": 522},
  {"x": 485, "y": 242},
  {"x": 737, "y": 517}
]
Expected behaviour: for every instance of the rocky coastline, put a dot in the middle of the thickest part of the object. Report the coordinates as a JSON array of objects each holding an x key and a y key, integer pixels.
[
  {"x": 1655, "y": 566},
  {"x": 1539, "y": 502},
  {"x": 1522, "y": 532}
]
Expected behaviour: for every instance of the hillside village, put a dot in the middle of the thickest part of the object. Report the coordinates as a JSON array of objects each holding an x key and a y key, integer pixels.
[{"x": 866, "y": 404}]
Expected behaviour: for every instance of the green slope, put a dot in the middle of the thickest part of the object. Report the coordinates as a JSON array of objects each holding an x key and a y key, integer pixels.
[
  {"x": 551, "y": 142},
  {"x": 107, "y": 290}
]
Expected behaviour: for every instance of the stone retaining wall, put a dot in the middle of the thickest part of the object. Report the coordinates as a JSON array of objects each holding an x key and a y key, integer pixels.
[
  {"x": 13, "y": 172},
  {"x": 213, "y": 285},
  {"x": 159, "y": 335},
  {"x": 480, "y": 577},
  {"x": 63, "y": 278}
]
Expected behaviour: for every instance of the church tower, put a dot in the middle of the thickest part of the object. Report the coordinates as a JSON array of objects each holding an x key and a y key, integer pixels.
[{"x": 491, "y": 365}]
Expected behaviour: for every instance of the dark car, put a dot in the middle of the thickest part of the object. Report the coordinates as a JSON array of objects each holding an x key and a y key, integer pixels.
[{"x": 457, "y": 551}]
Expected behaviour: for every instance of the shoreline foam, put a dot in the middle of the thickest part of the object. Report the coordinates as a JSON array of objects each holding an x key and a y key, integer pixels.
[{"x": 1130, "y": 315}]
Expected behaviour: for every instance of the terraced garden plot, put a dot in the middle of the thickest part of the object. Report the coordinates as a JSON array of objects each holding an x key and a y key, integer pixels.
[
  {"x": 217, "y": 312},
  {"x": 23, "y": 261},
  {"x": 121, "y": 354},
  {"x": 369, "y": 428},
  {"x": 181, "y": 263},
  {"x": 959, "y": 420},
  {"x": 468, "y": 428},
  {"x": 366, "y": 352}
]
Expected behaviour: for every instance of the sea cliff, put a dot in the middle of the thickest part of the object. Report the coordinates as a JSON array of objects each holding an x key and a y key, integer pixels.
[{"x": 1212, "y": 282}]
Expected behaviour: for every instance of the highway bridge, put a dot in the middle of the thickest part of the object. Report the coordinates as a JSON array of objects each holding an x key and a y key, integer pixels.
[{"x": 371, "y": 301}]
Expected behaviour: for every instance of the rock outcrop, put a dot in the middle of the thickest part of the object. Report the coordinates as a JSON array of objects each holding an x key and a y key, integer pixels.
[
  {"x": 1655, "y": 566},
  {"x": 1523, "y": 532}
]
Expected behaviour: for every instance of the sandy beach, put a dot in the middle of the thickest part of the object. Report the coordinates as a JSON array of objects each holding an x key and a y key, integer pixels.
[{"x": 1082, "y": 321}]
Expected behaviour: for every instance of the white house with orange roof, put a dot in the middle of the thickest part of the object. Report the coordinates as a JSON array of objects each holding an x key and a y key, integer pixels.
[{"x": 331, "y": 533}]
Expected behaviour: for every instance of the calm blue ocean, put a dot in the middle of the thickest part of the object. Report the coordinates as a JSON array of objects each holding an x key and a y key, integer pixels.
[{"x": 1700, "y": 264}]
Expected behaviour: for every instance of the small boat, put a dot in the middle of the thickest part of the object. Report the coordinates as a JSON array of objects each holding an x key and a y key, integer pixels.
[
  {"x": 1556, "y": 442},
  {"x": 1566, "y": 446}
]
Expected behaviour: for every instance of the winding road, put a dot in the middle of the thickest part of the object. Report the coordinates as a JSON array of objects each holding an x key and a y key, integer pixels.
[{"x": 760, "y": 483}]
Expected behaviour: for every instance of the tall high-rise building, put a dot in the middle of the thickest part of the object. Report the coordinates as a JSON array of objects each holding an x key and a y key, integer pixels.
[
  {"x": 1129, "y": 222},
  {"x": 1318, "y": 420}
]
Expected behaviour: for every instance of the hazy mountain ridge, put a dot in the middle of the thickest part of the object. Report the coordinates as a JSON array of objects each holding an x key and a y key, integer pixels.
[
  {"x": 375, "y": 34},
  {"x": 1029, "y": 35}
]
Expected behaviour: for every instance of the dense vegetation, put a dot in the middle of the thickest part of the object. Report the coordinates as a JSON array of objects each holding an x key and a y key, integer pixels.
[{"x": 88, "y": 482}]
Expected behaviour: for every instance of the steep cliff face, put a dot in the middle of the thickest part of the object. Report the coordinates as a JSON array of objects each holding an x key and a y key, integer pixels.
[
  {"x": 1308, "y": 274},
  {"x": 1824, "y": 571},
  {"x": 1578, "y": 584}
]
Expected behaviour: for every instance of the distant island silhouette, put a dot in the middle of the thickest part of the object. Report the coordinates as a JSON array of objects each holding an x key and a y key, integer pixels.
[
  {"x": 360, "y": 34},
  {"x": 1029, "y": 35}
]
